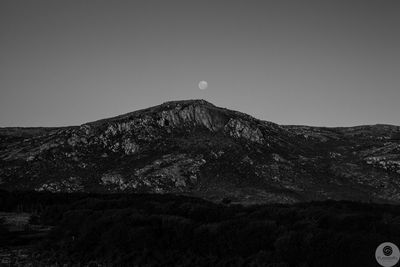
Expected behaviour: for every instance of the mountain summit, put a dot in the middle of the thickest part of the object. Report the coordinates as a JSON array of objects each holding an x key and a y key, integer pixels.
[{"x": 193, "y": 147}]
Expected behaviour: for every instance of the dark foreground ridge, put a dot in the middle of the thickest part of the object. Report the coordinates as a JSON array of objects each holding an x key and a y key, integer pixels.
[
  {"x": 195, "y": 148},
  {"x": 170, "y": 230}
]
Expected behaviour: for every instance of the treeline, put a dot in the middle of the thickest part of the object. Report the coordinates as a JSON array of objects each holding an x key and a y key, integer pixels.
[{"x": 168, "y": 230}]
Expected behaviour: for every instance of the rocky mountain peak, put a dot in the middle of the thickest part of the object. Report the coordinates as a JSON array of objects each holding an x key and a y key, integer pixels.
[
  {"x": 184, "y": 115},
  {"x": 190, "y": 102}
]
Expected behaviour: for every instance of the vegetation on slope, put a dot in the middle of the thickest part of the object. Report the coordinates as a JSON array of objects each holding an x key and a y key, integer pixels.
[{"x": 167, "y": 230}]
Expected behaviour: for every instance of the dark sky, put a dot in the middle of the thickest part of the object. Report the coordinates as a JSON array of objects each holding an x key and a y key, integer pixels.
[{"x": 328, "y": 63}]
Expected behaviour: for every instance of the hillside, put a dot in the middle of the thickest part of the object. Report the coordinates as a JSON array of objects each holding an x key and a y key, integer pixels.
[{"x": 195, "y": 148}]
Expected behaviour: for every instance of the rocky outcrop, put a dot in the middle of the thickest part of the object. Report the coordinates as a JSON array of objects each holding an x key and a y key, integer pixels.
[
  {"x": 172, "y": 172},
  {"x": 197, "y": 115},
  {"x": 69, "y": 185},
  {"x": 242, "y": 129}
]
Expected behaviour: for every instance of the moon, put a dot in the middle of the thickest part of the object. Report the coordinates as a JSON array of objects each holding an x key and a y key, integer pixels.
[{"x": 203, "y": 85}]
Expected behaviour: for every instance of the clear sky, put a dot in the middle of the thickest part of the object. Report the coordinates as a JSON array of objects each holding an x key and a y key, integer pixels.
[{"x": 323, "y": 63}]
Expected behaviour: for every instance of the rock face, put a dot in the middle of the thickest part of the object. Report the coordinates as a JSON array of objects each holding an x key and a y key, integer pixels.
[{"x": 193, "y": 147}]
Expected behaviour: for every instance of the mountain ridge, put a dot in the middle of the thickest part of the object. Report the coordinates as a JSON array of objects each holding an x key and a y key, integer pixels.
[
  {"x": 194, "y": 147},
  {"x": 190, "y": 102}
]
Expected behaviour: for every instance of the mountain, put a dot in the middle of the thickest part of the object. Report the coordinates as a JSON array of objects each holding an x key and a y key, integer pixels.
[{"x": 195, "y": 148}]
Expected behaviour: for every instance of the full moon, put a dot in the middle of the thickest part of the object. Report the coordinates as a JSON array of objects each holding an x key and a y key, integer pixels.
[{"x": 203, "y": 85}]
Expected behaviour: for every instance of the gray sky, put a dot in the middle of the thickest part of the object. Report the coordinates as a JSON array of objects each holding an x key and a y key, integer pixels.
[{"x": 324, "y": 63}]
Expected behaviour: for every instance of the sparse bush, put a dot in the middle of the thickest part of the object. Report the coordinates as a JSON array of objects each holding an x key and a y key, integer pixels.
[
  {"x": 5, "y": 234},
  {"x": 34, "y": 219}
]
